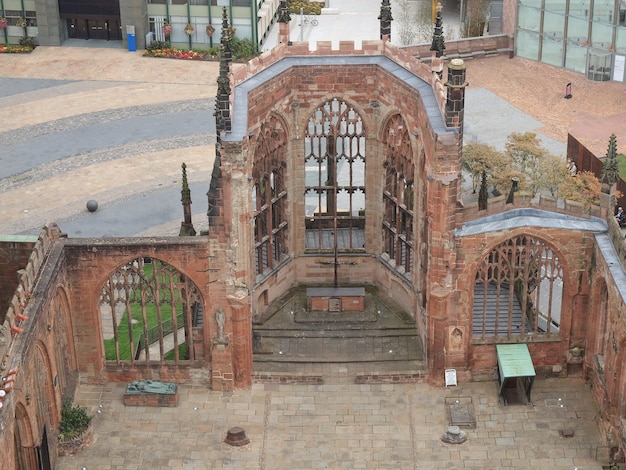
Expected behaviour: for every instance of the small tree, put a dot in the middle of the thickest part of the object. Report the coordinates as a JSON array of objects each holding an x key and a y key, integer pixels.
[
  {"x": 486, "y": 165},
  {"x": 550, "y": 172},
  {"x": 407, "y": 24},
  {"x": 526, "y": 152},
  {"x": 584, "y": 188},
  {"x": 476, "y": 14}
]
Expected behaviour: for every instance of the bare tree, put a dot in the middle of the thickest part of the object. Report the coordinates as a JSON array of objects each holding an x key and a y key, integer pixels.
[
  {"x": 475, "y": 18},
  {"x": 407, "y": 24}
]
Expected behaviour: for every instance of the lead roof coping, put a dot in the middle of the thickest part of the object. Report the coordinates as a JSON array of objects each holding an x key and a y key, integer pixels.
[
  {"x": 529, "y": 217},
  {"x": 425, "y": 90}
]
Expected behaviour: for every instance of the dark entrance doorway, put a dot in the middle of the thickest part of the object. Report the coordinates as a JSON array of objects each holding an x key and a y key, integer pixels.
[
  {"x": 86, "y": 19},
  {"x": 94, "y": 28}
]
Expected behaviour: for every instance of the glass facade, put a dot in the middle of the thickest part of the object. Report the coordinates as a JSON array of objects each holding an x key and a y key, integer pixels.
[{"x": 572, "y": 34}]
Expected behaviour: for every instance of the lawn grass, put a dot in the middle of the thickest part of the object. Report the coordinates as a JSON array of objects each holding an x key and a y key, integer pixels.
[{"x": 152, "y": 320}]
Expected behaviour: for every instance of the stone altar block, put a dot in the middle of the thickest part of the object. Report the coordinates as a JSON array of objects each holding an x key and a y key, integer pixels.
[
  {"x": 151, "y": 393},
  {"x": 335, "y": 299}
]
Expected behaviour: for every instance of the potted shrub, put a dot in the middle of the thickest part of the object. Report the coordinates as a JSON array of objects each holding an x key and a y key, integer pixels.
[{"x": 75, "y": 430}]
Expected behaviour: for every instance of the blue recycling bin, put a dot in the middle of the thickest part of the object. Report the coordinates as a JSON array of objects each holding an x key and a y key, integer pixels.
[{"x": 132, "y": 43}]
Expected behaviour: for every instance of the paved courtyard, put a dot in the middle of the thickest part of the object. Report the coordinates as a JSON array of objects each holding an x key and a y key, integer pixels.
[{"x": 342, "y": 426}]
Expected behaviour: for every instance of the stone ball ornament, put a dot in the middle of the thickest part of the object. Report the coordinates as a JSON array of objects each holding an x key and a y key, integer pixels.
[{"x": 92, "y": 206}]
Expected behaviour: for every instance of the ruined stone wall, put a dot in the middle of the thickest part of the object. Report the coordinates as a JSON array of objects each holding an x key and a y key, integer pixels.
[
  {"x": 14, "y": 254},
  {"x": 574, "y": 250},
  {"x": 37, "y": 357},
  {"x": 295, "y": 94},
  {"x": 91, "y": 261}
]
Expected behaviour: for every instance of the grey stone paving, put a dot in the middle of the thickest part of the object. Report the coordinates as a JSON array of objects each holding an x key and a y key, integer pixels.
[{"x": 337, "y": 426}]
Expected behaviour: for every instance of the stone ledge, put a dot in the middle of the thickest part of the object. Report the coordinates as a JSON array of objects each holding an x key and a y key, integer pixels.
[
  {"x": 282, "y": 378},
  {"x": 392, "y": 377},
  {"x": 151, "y": 399}
]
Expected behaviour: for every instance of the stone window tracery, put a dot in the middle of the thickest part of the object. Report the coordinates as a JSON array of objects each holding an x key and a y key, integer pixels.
[
  {"x": 334, "y": 160},
  {"x": 269, "y": 196},
  {"x": 398, "y": 194},
  {"x": 518, "y": 290},
  {"x": 148, "y": 310}
]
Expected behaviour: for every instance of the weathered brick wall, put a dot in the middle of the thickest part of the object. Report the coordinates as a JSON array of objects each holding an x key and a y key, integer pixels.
[
  {"x": 574, "y": 250},
  {"x": 41, "y": 358},
  {"x": 91, "y": 261},
  {"x": 14, "y": 254}
]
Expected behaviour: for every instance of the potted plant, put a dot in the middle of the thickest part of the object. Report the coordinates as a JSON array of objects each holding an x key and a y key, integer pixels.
[
  {"x": 75, "y": 430},
  {"x": 167, "y": 29},
  {"x": 189, "y": 29},
  {"x": 3, "y": 23},
  {"x": 22, "y": 23},
  {"x": 210, "y": 29}
]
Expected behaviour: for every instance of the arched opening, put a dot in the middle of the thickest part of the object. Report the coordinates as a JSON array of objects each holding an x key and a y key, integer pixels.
[
  {"x": 334, "y": 163},
  {"x": 60, "y": 322},
  {"x": 148, "y": 311},
  {"x": 398, "y": 194},
  {"x": 269, "y": 196},
  {"x": 518, "y": 291}
]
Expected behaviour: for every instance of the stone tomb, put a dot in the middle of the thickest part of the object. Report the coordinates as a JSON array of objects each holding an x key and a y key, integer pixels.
[{"x": 151, "y": 393}]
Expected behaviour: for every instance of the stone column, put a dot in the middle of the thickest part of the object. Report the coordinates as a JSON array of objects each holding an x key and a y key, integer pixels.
[
  {"x": 455, "y": 104},
  {"x": 437, "y": 335}
]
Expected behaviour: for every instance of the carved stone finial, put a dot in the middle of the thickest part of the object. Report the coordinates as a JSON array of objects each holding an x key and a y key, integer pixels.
[
  {"x": 283, "y": 12},
  {"x": 186, "y": 227},
  {"x": 438, "y": 45}
]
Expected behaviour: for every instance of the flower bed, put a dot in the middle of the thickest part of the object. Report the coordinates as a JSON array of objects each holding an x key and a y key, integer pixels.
[
  {"x": 14, "y": 49},
  {"x": 171, "y": 53}
]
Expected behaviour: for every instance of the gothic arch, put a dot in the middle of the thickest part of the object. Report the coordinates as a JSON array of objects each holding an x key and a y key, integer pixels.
[
  {"x": 334, "y": 165},
  {"x": 148, "y": 311},
  {"x": 45, "y": 398},
  {"x": 24, "y": 439},
  {"x": 599, "y": 320},
  {"x": 269, "y": 195},
  {"x": 399, "y": 194},
  {"x": 518, "y": 290},
  {"x": 60, "y": 321}
]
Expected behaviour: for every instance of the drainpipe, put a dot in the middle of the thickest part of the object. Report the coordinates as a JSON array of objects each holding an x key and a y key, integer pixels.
[
  {"x": 189, "y": 22},
  {"x": 230, "y": 12},
  {"x": 167, "y": 18},
  {"x": 210, "y": 22},
  {"x": 255, "y": 23}
]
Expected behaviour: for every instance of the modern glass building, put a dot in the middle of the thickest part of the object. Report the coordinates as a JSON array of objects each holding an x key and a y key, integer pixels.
[
  {"x": 587, "y": 36},
  {"x": 54, "y": 21}
]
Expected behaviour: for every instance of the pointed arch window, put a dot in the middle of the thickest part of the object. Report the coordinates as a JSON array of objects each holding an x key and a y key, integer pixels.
[
  {"x": 518, "y": 290},
  {"x": 334, "y": 161},
  {"x": 269, "y": 196},
  {"x": 398, "y": 194},
  {"x": 148, "y": 311}
]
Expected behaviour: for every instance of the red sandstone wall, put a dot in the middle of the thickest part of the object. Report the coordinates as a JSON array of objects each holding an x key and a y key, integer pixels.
[
  {"x": 574, "y": 250},
  {"x": 13, "y": 257},
  {"x": 90, "y": 262}
]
